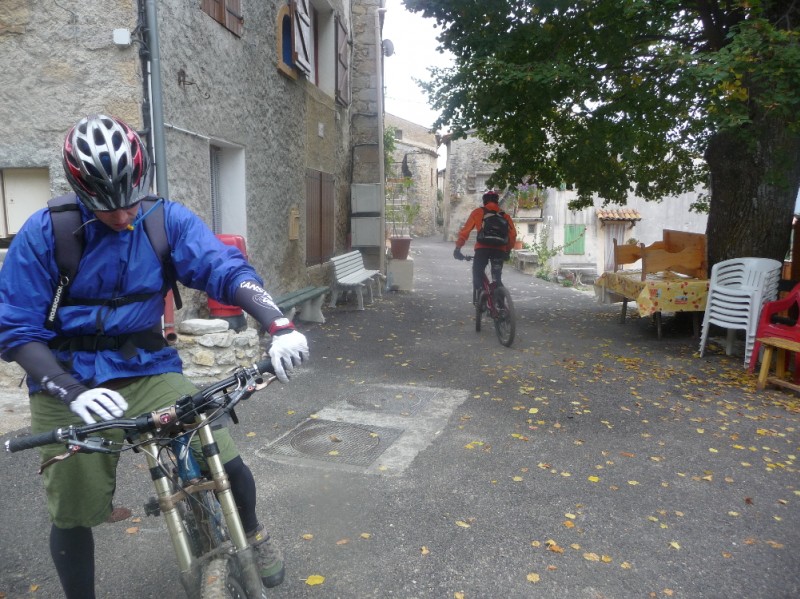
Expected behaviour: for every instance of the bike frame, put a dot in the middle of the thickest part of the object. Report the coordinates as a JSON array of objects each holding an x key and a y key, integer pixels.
[
  {"x": 189, "y": 566},
  {"x": 489, "y": 287}
]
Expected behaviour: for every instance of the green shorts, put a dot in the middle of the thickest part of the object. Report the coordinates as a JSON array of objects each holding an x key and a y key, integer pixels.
[{"x": 80, "y": 489}]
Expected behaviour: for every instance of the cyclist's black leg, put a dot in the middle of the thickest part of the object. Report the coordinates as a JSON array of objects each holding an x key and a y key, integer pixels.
[
  {"x": 497, "y": 268},
  {"x": 72, "y": 550},
  {"x": 479, "y": 261},
  {"x": 243, "y": 487}
]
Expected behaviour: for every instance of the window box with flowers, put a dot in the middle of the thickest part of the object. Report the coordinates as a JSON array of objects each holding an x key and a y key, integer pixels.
[{"x": 529, "y": 200}]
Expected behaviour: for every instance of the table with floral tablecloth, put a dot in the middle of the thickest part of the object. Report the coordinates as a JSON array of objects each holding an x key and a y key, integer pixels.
[{"x": 659, "y": 292}]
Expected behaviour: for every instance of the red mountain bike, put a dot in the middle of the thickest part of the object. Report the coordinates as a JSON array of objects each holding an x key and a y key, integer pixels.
[{"x": 495, "y": 300}]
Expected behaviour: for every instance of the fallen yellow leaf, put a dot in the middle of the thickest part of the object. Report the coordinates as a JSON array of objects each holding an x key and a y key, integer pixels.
[
  {"x": 674, "y": 545},
  {"x": 592, "y": 557},
  {"x": 594, "y": 479},
  {"x": 533, "y": 577},
  {"x": 342, "y": 541},
  {"x": 462, "y": 524},
  {"x": 314, "y": 580},
  {"x": 307, "y": 537},
  {"x": 365, "y": 535},
  {"x": 132, "y": 530},
  {"x": 425, "y": 550}
]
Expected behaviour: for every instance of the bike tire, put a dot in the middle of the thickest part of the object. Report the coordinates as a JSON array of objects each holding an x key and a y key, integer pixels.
[
  {"x": 204, "y": 522},
  {"x": 221, "y": 580},
  {"x": 505, "y": 324},
  {"x": 480, "y": 308}
]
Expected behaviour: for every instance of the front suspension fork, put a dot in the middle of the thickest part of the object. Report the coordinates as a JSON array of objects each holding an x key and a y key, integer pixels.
[{"x": 188, "y": 565}]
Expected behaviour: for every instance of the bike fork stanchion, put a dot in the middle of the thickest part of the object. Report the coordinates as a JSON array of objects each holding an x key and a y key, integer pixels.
[
  {"x": 244, "y": 552},
  {"x": 187, "y": 564}
]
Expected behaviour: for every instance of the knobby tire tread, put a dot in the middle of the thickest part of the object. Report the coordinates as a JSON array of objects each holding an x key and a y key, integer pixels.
[
  {"x": 505, "y": 324},
  {"x": 220, "y": 581}
]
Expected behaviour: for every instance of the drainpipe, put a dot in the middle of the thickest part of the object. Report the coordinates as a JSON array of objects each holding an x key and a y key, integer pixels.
[
  {"x": 381, "y": 168},
  {"x": 156, "y": 99}
]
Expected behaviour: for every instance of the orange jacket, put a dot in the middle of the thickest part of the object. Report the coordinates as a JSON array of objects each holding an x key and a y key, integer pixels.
[{"x": 475, "y": 221}]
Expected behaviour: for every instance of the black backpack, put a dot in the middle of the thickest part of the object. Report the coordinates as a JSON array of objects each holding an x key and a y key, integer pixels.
[
  {"x": 494, "y": 230},
  {"x": 69, "y": 244}
]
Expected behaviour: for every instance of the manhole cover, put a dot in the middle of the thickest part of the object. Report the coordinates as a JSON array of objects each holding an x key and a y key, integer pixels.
[
  {"x": 339, "y": 442},
  {"x": 403, "y": 401}
]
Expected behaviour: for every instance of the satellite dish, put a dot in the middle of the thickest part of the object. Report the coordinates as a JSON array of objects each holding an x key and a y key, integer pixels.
[{"x": 388, "y": 47}]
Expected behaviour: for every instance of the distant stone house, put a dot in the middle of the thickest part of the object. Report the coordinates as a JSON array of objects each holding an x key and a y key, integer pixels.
[
  {"x": 262, "y": 104},
  {"x": 586, "y": 236},
  {"x": 414, "y": 160}
]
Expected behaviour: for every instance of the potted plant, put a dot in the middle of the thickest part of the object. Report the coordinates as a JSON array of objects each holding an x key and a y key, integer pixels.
[
  {"x": 530, "y": 197},
  {"x": 400, "y": 239}
]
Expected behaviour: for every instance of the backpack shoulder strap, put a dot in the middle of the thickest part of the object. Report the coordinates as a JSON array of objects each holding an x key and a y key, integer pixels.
[
  {"x": 156, "y": 228},
  {"x": 65, "y": 215},
  {"x": 68, "y": 240}
]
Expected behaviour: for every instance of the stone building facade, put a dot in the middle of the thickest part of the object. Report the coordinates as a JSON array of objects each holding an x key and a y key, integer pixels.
[
  {"x": 415, "y": 157},
  {"x": 255, "y": 140}
]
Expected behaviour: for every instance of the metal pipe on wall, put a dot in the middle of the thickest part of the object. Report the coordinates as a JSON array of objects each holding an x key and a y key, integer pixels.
[{"x": 156, "y": 90}]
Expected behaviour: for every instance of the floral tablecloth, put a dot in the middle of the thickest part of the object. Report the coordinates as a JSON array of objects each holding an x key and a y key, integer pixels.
[{"x": 660, "y": 292}]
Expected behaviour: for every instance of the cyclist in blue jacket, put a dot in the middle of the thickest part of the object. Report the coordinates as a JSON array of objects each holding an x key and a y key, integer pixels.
[{"x": 103, "y": 357}]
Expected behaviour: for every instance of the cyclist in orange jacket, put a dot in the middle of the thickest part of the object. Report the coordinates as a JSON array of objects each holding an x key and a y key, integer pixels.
[{"x": 495, "y": 240}]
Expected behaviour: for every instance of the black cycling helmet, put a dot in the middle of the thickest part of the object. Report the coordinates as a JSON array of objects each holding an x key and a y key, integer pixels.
[
  {"x": 491, "y": 196},
  {"x": 106, "y": 163}
]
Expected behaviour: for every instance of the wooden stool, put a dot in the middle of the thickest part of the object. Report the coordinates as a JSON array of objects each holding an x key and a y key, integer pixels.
[{"x": 770, "y": 344}]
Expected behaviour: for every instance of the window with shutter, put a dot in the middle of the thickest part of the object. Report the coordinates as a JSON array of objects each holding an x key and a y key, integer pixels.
[
  {"x": 342, "y": 64},
  {"x": 226, "y": 12},
  {"x": 302, "y": 35},
  {"x": 574, "y": 237}
]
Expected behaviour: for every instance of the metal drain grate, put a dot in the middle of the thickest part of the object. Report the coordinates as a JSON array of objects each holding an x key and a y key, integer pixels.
[
  {"x": 338, "y": 442},
  {"x": 403, "y": 401}
]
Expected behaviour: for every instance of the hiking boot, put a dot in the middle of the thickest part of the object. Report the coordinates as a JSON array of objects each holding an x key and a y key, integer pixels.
[{"x": 270, "y": 560}]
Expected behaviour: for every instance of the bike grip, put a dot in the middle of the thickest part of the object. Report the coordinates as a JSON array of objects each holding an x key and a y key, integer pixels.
[
  {"x": 31, "y": 441},
  {"x": 265, "y": 366}
]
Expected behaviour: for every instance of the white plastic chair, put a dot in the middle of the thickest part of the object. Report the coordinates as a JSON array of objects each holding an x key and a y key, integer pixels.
[{"x": 737, "y": 290}]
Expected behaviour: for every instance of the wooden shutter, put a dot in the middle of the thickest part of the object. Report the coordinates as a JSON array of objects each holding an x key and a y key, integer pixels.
[
  {"x": 326, "y": 223},
  {"x": 313, "y": 218},
  {"x": 302, "y": 35},
  {"x": 574, "y": 238},
  {"x": 233, "y": 17},
  {"x": 320, "y": 206},
  {"x": 342, "y": 64}
]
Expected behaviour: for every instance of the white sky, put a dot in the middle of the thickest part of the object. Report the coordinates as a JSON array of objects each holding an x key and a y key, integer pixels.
[{"x": 414, "y": 39}]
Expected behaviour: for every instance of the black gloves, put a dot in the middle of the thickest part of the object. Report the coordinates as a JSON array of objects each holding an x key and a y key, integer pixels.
[{"x": 457, "y": 254}]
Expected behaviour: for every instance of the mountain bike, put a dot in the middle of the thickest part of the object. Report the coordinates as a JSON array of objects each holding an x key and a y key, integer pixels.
[
  {"x": 495, "y": 300},
  {"x": 214, "y": 558}
]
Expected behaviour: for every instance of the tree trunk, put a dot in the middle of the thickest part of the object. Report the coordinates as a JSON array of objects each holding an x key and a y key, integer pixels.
[{"x": 754, "y": 181}]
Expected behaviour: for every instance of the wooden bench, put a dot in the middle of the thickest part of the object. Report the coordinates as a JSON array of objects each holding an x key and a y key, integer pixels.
[
  {"x": 349, "y": 274},
  {"x": 309, "y": 300},
  {"x": 770, "y": 344}
]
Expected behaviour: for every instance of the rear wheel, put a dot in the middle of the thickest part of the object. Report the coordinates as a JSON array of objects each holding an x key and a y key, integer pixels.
[
  {"x": 505, "y": 321},
  {"x": 221, "y": 580},
  {"x": 480, "y": 308}
]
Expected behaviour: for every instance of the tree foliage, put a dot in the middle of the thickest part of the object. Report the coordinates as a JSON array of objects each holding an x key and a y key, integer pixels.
[{"x": 632, "y": 96}]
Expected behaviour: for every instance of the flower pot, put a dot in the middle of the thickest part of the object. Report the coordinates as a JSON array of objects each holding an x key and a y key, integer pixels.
[
  {"x": 400, "y": 247},
  {"x": 518, "y": 244}
]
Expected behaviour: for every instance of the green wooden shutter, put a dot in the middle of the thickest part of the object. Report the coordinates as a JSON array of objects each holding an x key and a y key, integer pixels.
[{"x": 574, "y": 239}]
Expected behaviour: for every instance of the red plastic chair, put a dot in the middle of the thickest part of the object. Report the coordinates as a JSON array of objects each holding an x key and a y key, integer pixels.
[{"x": 774, "y": 323}]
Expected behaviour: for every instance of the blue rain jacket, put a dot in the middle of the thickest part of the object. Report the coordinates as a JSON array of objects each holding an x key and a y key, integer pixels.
[{"x": 113, "y": 265}]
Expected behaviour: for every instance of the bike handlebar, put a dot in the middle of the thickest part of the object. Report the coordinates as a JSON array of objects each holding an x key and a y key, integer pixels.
[{"x": 245, "y": 378}]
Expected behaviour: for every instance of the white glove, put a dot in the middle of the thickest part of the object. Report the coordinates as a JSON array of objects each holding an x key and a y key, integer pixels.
[
  {"x": 105, "y": 403},
  {"x": 287, "y": 351}
]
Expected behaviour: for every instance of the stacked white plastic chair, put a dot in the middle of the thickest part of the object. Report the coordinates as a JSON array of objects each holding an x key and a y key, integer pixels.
[{"x": 737, "y": 290}]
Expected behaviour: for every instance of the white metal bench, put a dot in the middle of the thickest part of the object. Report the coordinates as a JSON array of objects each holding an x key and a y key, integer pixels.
[
  {"x": 349, "y": 274},
  {"x": 309, "y": 300}
]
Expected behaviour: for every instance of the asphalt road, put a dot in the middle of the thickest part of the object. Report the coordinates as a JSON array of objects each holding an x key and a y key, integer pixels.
[{"x": 416, "y": 458}]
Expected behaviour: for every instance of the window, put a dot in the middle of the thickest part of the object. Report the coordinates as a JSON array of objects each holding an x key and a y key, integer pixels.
[
  {"x": 228, "y": 198},
  {"x": 285, "y": 51},
  {"x": 22, "y": 192},
  {"x": 320, "y": 47},
  {"x": 574, "y": 237},
  {"x": 398, "y": 133},
  {"x": 226, "y": 12},
  {"x": 320, "y": 203}
]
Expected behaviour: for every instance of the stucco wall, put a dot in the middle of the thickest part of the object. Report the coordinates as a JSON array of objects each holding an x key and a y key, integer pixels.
[{"x": 59, "y": 63}]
